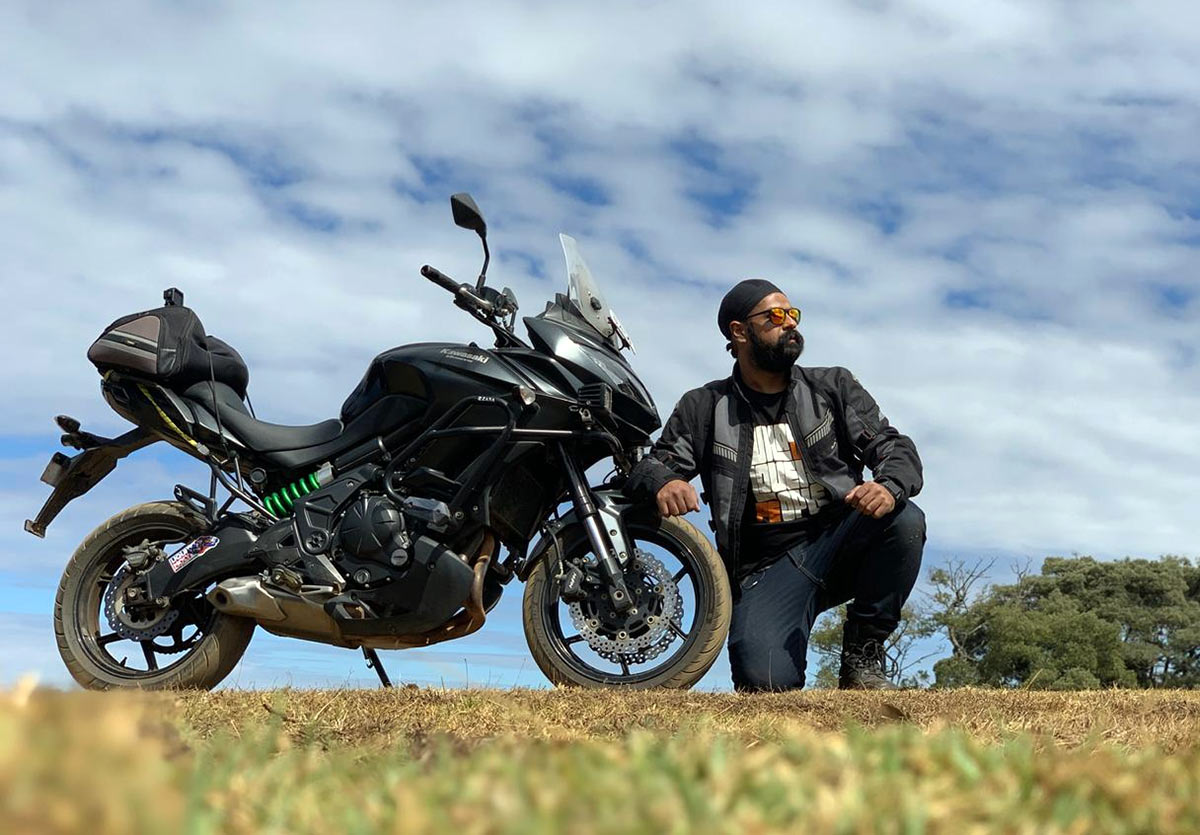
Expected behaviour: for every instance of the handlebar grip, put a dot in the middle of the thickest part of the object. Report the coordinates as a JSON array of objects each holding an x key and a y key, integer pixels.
[
  {"x": 440, "y": 278},
  {"x": 462, "y": 292}
]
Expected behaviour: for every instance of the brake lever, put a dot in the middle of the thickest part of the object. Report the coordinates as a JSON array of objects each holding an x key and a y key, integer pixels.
[{"x": 465, "y": 299}]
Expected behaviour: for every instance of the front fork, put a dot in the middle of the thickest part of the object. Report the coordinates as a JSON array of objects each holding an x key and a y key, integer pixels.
[{"x": 610, "y": 549}]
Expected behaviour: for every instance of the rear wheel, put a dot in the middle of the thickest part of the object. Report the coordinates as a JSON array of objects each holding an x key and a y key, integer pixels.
[
  {"x": 672, "y": 636},
  {"x": 107, "y": 645}
]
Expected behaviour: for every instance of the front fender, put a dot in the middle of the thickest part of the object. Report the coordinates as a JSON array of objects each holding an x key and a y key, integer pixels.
[{"x": 613, "y": 506}]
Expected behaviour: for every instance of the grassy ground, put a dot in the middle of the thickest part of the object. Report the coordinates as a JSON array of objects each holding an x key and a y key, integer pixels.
[{"x": 485, "y": 761}]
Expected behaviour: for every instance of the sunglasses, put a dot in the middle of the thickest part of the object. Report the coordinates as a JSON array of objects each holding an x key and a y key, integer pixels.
[{"x": 778, "y": 314}]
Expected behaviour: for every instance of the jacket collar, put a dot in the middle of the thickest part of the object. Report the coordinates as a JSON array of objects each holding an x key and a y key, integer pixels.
[{"x": 738, "y": 383}]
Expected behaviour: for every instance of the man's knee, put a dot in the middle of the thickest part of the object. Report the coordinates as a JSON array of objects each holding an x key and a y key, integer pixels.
[
  {"x": 908, "y": 530},
  {"x": 758, "y": 667}
]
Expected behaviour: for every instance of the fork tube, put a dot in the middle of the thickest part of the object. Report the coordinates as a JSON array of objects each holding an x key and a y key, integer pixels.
[{"x": 585, "y": 509}]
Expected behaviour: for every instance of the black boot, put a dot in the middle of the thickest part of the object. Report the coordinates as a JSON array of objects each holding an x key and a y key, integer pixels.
[{"x": 864, "y": 661}]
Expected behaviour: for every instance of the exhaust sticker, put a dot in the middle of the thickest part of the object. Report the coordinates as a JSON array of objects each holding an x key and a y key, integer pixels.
[{"x": 189, "y": 552}]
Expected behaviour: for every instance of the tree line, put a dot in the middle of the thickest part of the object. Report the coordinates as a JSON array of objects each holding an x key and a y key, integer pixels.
[{"x": 1080, "y": 623}]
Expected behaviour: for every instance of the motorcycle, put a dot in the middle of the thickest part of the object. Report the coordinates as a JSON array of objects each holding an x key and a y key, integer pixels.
[{"x": 382, "y": 529}]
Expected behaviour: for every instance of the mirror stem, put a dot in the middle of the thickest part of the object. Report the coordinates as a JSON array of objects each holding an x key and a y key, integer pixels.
[{"x": 487, "y": 257}]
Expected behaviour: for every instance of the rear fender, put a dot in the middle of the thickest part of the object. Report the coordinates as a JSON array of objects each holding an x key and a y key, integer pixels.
[
  {"x": 613, "y": 507},
  {"x": 72, "y": 476}
]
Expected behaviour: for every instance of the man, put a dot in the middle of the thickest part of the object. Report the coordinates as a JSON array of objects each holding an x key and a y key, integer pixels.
[{"x": 780, "y": 450}]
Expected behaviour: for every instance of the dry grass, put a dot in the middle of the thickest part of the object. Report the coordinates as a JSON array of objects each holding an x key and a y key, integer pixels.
[
  {"x": 1169, "y": 719},
  {"x": 487, "y": 761}
]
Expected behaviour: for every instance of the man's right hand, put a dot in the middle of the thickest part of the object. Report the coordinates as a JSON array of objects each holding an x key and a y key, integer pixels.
[{"x": 676, "y": 498}]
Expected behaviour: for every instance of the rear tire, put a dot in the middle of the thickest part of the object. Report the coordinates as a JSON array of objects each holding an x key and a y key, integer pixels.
[
  {"x": 710, "y": 630},
  {"x": 79, "y": 616}
]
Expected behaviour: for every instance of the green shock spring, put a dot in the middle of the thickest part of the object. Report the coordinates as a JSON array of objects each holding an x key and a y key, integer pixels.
[{"x": 283, "y": 500}]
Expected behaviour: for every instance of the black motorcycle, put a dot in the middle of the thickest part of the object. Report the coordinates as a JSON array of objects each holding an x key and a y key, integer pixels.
[{"x": 382, "y": 529}]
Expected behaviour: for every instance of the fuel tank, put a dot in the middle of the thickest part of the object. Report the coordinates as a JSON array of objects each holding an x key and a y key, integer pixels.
[{"x": 440, "y": 373}]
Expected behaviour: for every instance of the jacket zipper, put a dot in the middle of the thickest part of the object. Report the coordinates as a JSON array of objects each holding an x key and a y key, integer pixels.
[
  {"x": 803, "y": 447},
  {"x": 743, "y": 492}
]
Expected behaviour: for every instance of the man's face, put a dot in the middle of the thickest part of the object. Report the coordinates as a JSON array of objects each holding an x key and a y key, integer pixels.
[{"x": 772, "y": 347}]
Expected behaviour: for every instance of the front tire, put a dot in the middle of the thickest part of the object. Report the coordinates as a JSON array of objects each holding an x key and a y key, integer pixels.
[
  {"x": 215, "y": 645},
  {"x": 689, "y": 661}
]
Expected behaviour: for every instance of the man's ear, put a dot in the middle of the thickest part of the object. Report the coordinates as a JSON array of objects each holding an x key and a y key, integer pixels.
[{"x": 737, "y": 333}]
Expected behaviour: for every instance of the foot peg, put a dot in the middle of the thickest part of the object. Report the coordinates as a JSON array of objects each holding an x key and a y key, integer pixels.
[{"x": 75, "y": 437}]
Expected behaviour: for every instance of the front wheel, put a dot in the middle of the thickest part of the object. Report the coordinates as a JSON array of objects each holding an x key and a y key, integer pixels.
[
  {"x": 671, "y": 636},
  {"x": 106, "y": 646}
]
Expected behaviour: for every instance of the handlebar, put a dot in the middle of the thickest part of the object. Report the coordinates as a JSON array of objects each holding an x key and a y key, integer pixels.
[
  {"x": 440, "y": 278},
  {"x": 462, "y": 292}
]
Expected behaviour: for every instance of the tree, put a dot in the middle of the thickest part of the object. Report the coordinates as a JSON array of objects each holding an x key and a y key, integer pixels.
[
  {"x": 1152, "y": 604},
  {"x": 1056, "y": 645},
  {"x": 1080, "y": 623},
  {"x": 953, "y": 591}
]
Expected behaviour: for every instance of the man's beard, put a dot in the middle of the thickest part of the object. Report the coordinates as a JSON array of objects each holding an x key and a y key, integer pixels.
[{"x": 778, "y": 356}]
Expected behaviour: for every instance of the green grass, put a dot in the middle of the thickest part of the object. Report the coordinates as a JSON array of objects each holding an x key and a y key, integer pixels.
[{"x": 531, "y": 762}]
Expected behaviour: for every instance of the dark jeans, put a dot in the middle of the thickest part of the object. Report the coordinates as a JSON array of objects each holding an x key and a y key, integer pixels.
[{"x": 873, "y": 563}]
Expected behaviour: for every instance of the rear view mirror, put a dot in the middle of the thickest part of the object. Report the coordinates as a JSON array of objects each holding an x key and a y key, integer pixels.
[{"x": 467, "y": 214}]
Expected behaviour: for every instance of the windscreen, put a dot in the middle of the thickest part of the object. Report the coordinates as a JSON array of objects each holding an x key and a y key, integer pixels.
[{"x": 582, "y": 289}]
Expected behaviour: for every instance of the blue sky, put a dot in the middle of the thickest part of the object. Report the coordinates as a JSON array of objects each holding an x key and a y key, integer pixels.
[{"x": 990, "y": 212}]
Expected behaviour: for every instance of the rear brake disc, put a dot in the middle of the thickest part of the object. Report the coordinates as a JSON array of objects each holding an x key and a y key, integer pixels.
[{"x": 129, "y": 624}]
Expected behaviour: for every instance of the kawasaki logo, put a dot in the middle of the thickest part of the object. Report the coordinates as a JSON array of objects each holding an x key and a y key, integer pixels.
[{"x": 466, "y": 356}]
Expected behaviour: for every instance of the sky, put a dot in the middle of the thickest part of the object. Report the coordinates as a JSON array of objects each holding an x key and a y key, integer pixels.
[{"x": 988, "y": 211}]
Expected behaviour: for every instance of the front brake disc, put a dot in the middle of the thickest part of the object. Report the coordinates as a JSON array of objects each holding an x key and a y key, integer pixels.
[{"x": 642, "y": 633}]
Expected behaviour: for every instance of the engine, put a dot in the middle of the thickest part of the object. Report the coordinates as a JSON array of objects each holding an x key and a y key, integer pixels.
[
  {"x": 396, "y": 564},
  {"x": 373, "y": 539}
]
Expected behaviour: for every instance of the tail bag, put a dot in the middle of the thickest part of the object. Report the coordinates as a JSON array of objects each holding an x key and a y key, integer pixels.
[{"x": 168, "y": 345}]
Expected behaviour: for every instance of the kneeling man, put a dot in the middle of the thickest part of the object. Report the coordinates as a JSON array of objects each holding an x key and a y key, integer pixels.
[{"x": 780, "y": 450}]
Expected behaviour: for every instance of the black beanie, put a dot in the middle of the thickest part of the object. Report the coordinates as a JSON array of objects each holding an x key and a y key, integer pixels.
[{"x": 741, "y": 300}]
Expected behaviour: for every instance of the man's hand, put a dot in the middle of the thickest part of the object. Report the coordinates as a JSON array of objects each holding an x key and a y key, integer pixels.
[
  {"x": 869, "y": 499},
  {"x": 677, "y": 497}
]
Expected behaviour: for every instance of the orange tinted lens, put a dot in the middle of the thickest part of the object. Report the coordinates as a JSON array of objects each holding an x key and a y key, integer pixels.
[{"x": 778, "y": 314}]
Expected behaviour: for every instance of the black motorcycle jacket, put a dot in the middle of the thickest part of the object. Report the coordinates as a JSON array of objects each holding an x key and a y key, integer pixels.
[{"x": 711, "y": 433}]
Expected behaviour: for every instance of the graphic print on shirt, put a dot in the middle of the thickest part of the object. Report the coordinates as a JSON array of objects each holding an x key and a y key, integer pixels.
[{"x": 783, "y": 489}]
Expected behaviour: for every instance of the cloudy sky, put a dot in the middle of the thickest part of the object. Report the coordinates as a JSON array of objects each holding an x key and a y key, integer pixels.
[{"x": 989, "y": 211}]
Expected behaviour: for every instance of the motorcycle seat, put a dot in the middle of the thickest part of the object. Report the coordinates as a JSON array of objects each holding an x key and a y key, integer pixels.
[{"x": 258, "y": 435}]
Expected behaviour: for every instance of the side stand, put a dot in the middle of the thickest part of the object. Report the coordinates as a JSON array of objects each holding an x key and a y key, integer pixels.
[{"x": 375, "y": 664}]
